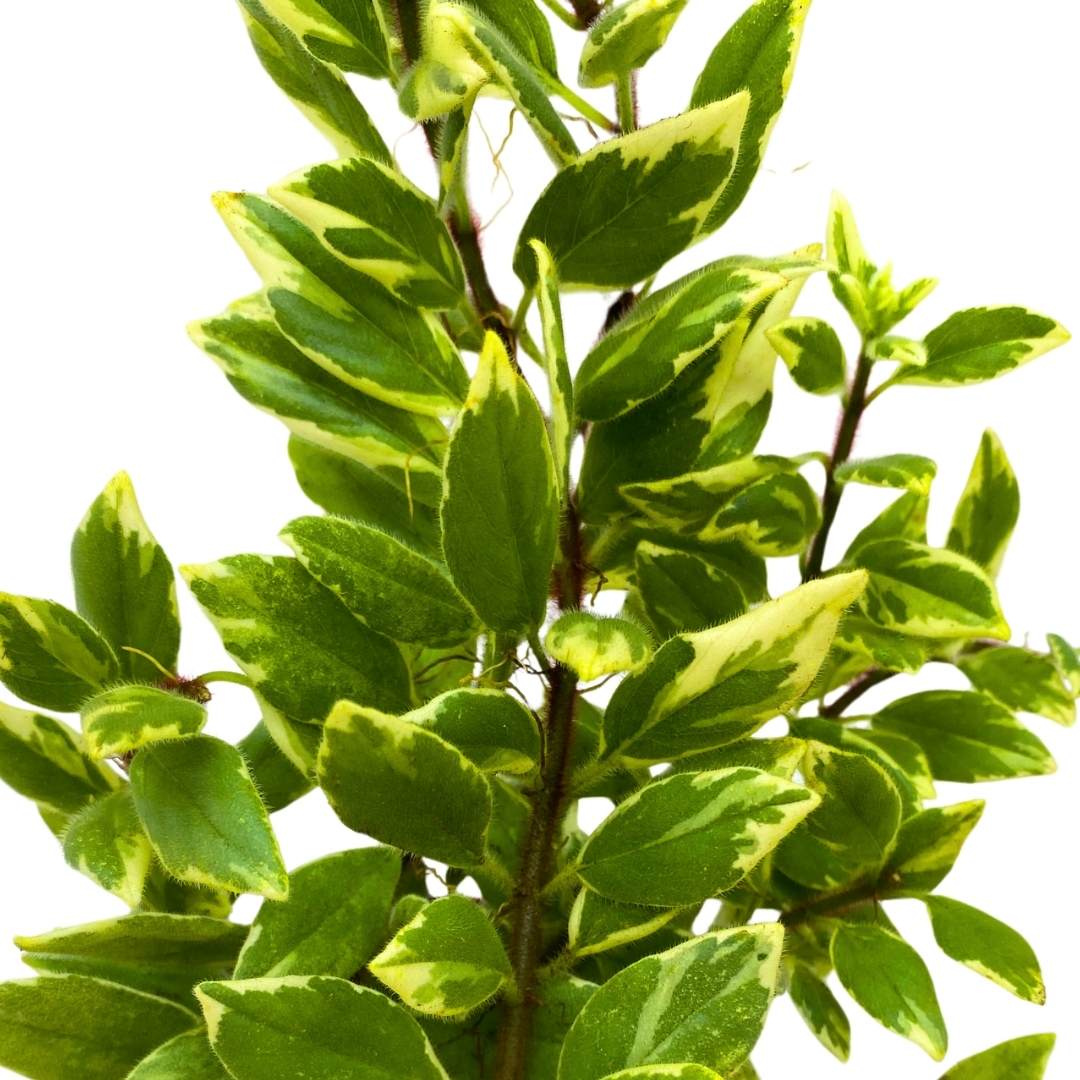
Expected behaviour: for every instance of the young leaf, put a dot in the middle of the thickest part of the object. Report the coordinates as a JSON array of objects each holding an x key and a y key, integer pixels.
[
  {"x": 1021, "y": 680},
  {"x": 680, "y": 840},
  {"x": 882, "y": 648},
  {"x": 702, "y": 1002},
  {"x": 1017, "y": 1059},
  {"x": 967, "y": 736},
  {"x": 126, "y": 718},
  {"x": 928, "y": 845},
  {"x": 621, "y": 210},
  {"x": 1067, "y": 661},
  {"x": 929, "y": 592},
  {"x": 525, "y": 27},
  {"x": 886, "y": 976},
  {"x": 124, "y": 583},
  {"x": 813, "y": 354},
  {"x": 301, "y": 648},
  {"x": 597, "y": 924},
  {"x": 49, "y": 656},
  {"x": 500, "y": 462},
  {"x": 987, "y": 946},
  {"x": 333, "y": 921},
  {"x": 988, "y": 509},
  {"x": 594, "y": 647},
  {"x": 909, "y": 472},
  {"x": 188, "y": 1055},
  {"x": 624, "y": 38},
  {"x": 403, "y": 785},
  {"x": 715, "y": 687},
  {"x": 904, "y": 519},
  {"x": 392, "y": 588},
  {"x": 316, "y": 1027},
  {"x": 65, "y": 1026},
  {"x": 204, "y": 817},
  {"x": 823, "y": 1014},
  {"x": 900, "y": 350},
  {"x": 447, "y": 961}
]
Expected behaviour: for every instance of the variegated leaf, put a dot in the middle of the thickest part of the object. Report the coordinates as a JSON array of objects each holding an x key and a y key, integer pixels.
[
  {"x": 901, "y": 350},
  {"x": 1067, "y": 660},
  {"x": 106, "y": 842},
  {"x": 625, "y": 37},
  {"x": 126, "y": 718},
  {"x": 908, "y": 755},
  {"x": 279, "y": 782},
  {"x": 593, "y": 646},
  {"x": 597, "y": 924},
  {"x": 525, "y": 27},
  {"x": 882, "y": 648},
  {"x": 774, "y": 517},
  {"x": 812, "y": 352},
  {"x": 1021, "y": 680},
  {"x": 927, "y": 846},
  {"x": 189, "y": 1055},
  {"x": 909, "y": 472},
  {"x": 904, "y": 519},
  {"x": 1017, "y": 1059},
  {"x": 682, "y": 1071},
  {"x": 780, "y": 757},
  {"x": 823, "y": 1014}
]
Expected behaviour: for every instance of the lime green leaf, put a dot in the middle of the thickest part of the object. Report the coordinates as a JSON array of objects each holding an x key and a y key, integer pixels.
[
  {"x": 318, "y": 90},
  {"x": 717, "y": 686},
  {"x": 188, "y": 1055},
  {"x": 404, "y": 785},
  {"x": 594, "y": 646},
  {"x": 780, "y": 757},
  {"x": 703, "y": 1002},
  {"x": 844, "y": 247},
  {"x": 989, "y": 508},
  {"x": 447, "y": 961},
  {"x": 500, "y": 461},
  {"x": 1021, "y": 680},
  {"x": 1067, "y": 661},
  {"x": 928, "y": 845},
  {"x": 823, "y": 1014},
  {"x": 850, "y": 835},
  {"x": 68, "y": 1026},
  {"x": 904, "y": 519},
  {"x": 680, "y": 840},
  {"x": 1017, "y": 1059},
  {"x": 124, "y": 583},
  {"x": 774, "y": 517},
  {"x": 987, "y": 946},
  {"x": 106, "y": 842},
  {"x": 983, "y": 343},
  {"x": 598, "y": 924},
  {"x": 126, "y": 718},
  {"x": 757, "y": 54},
  {"x": 625, "y": 37},
  {"x": 301, "y": 648},
  {"x": 316, "y": 1027},
  {"x": 333, "y": 921},
  {"x": 813, "y": 354},
  {"x": 683, "y": 1071},
  {"x": 621, "y": 210},
  {"x": 886, "y": 976},
  {"x": 278, "y": 781},
  {"x": 929, "y": 592},
  {"x": 342, "y": 319},
  {"x": 967, "y": 737},
  {"x": 44, "y": 760},
  {"x": 392, "y": 588},
  {"x": 156, "y": 953},
  {"x": 204, "y": 817},
  {"x": 910, "y": 472},
  {"x": 901, "y": 350},
  {"x": 49, "y": 656}
]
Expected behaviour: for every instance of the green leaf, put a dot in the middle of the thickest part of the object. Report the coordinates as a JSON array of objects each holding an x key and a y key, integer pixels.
[
  {"x": 318, "y": 90},
  {"x": 886, "y": 976},
  {"x": 1017, "y": 1059},
  {"x": 597, "y": 924},
  {"x": 900, "y": 350},
  {"x": 124, "y": 582},
  {"x": 989, "y": 508},
  {"x": 904, "y": 519},
  {"x": 715, "y": 687},
  {"x": 757, "y": 54},
  {"x": 824, "y": 1015},
  {"x": 813, "y": 354},
  {"x": 909, "y": 472},
  {"x": 106, "y": 842},
  {"x": 927, "y": 846},
  {"x": 983, "y": 343},
  {"x": 882, "y": 648},
  {"x": 1067, "y": 660},
  {"x": 625, "y": 37},
  {"x": 316, "y": 1027},
  {"x": 68, "y": 1026},
  {"x": 851, "y": 834},
  {"x": 683, "y": 1071},
  {"x": 906, "y": 754},
  {"x": 663, "y": 334},
  {"x": 403, "y": 785},
  {"x": 595, "y": 646},
  {"x": 774, "y": 517},
  {"x": 188, "y": 1055},
  {"x": 342, "y": 319},
  {"x": 967, "y": 736},
  {"x": 159, "y": 954},
  {"x": 620, "y": 211},
  {"x": 525, "y": 27},
  {"x": 204, "y": 817},
  {"x": 387, "y": 585},
  {"x": 447, "y": 961},
  {"x": 780, "y": 757},
  {"x": 987, "y": 946},
  {"x": 300, "y": 647},
  {"x": 929, "y": 592},
  {"x": 680, "y": 840},
  {"x": 126, "y": 718},
  {"x": 499, "y": 513},
  {"x": 333, "y": 921},
  {"x": 702, "y": 1002},
  {"x": 1021, "y": 680},
  {"x": 44, "y": 760},
  {"x": 49, "y": 656}
]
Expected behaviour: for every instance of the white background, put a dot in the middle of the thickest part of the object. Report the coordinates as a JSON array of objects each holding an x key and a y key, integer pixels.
[{"x": 949, "y": 125}]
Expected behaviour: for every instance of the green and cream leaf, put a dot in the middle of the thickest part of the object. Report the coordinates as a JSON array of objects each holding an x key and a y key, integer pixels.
[
  {"x": 812, "y": 352},
  {"x": 624, "y": 38},
  {"x": 126, "y": 718},
  {"x": 593, "y": 646},
  {"x": 909, "y": 472}
]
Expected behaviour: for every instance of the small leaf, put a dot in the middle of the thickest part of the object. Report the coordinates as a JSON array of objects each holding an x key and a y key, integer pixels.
[
  {"x": 597, "y": 924},
  {"x": 447, "y": 961},
  {"x": 624, "y": 38},
  {"x": 1067, "y": 661},
  {"x": 812, "y": 352},
  {"x": 886, "y": 976},
  {"x": 927, "y": 846},
  {"x": 904, "y": 519},
  {"x": 703, "y": 1001},
  {"x": 403, "y": 785},
  {"x": 901, "y": 350},
  {"x": 188, "y": 1055},
  {"x": 774, "y": 517},
  {"x": 885, "y": 649},
  {"x": 1021, "y": 680},
  {"x": 909, "y": 472},
  {"x": 823, "y": 1014},
  {"x": 593, "y": 646},
  {"x": 1017, "y": 1059},
  {"x": 126, "y": 718},
  {"x": 525, "y": 26},
  {"x": 500, "y": 460},
  {"x": 683, "y": 1071},
  {"x": 204, "y": 817}
]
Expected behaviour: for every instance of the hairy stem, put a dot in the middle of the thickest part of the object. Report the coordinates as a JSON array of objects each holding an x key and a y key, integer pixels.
[
  {"x": 865, "y": 682},
  {"x": 626, "y": 102},
  {"x": 587, "y": 11}
]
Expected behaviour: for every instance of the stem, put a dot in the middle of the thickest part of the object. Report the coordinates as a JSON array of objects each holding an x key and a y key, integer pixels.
[
  {"x": 626, "y": 102},
  {"x": 854, "y": 408},
  {"x": 587, "y": 11},
  {"x": 590, "y": 112},
  {"x": 224, "y": 676},
  {"x": 865, "y": 682}
]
